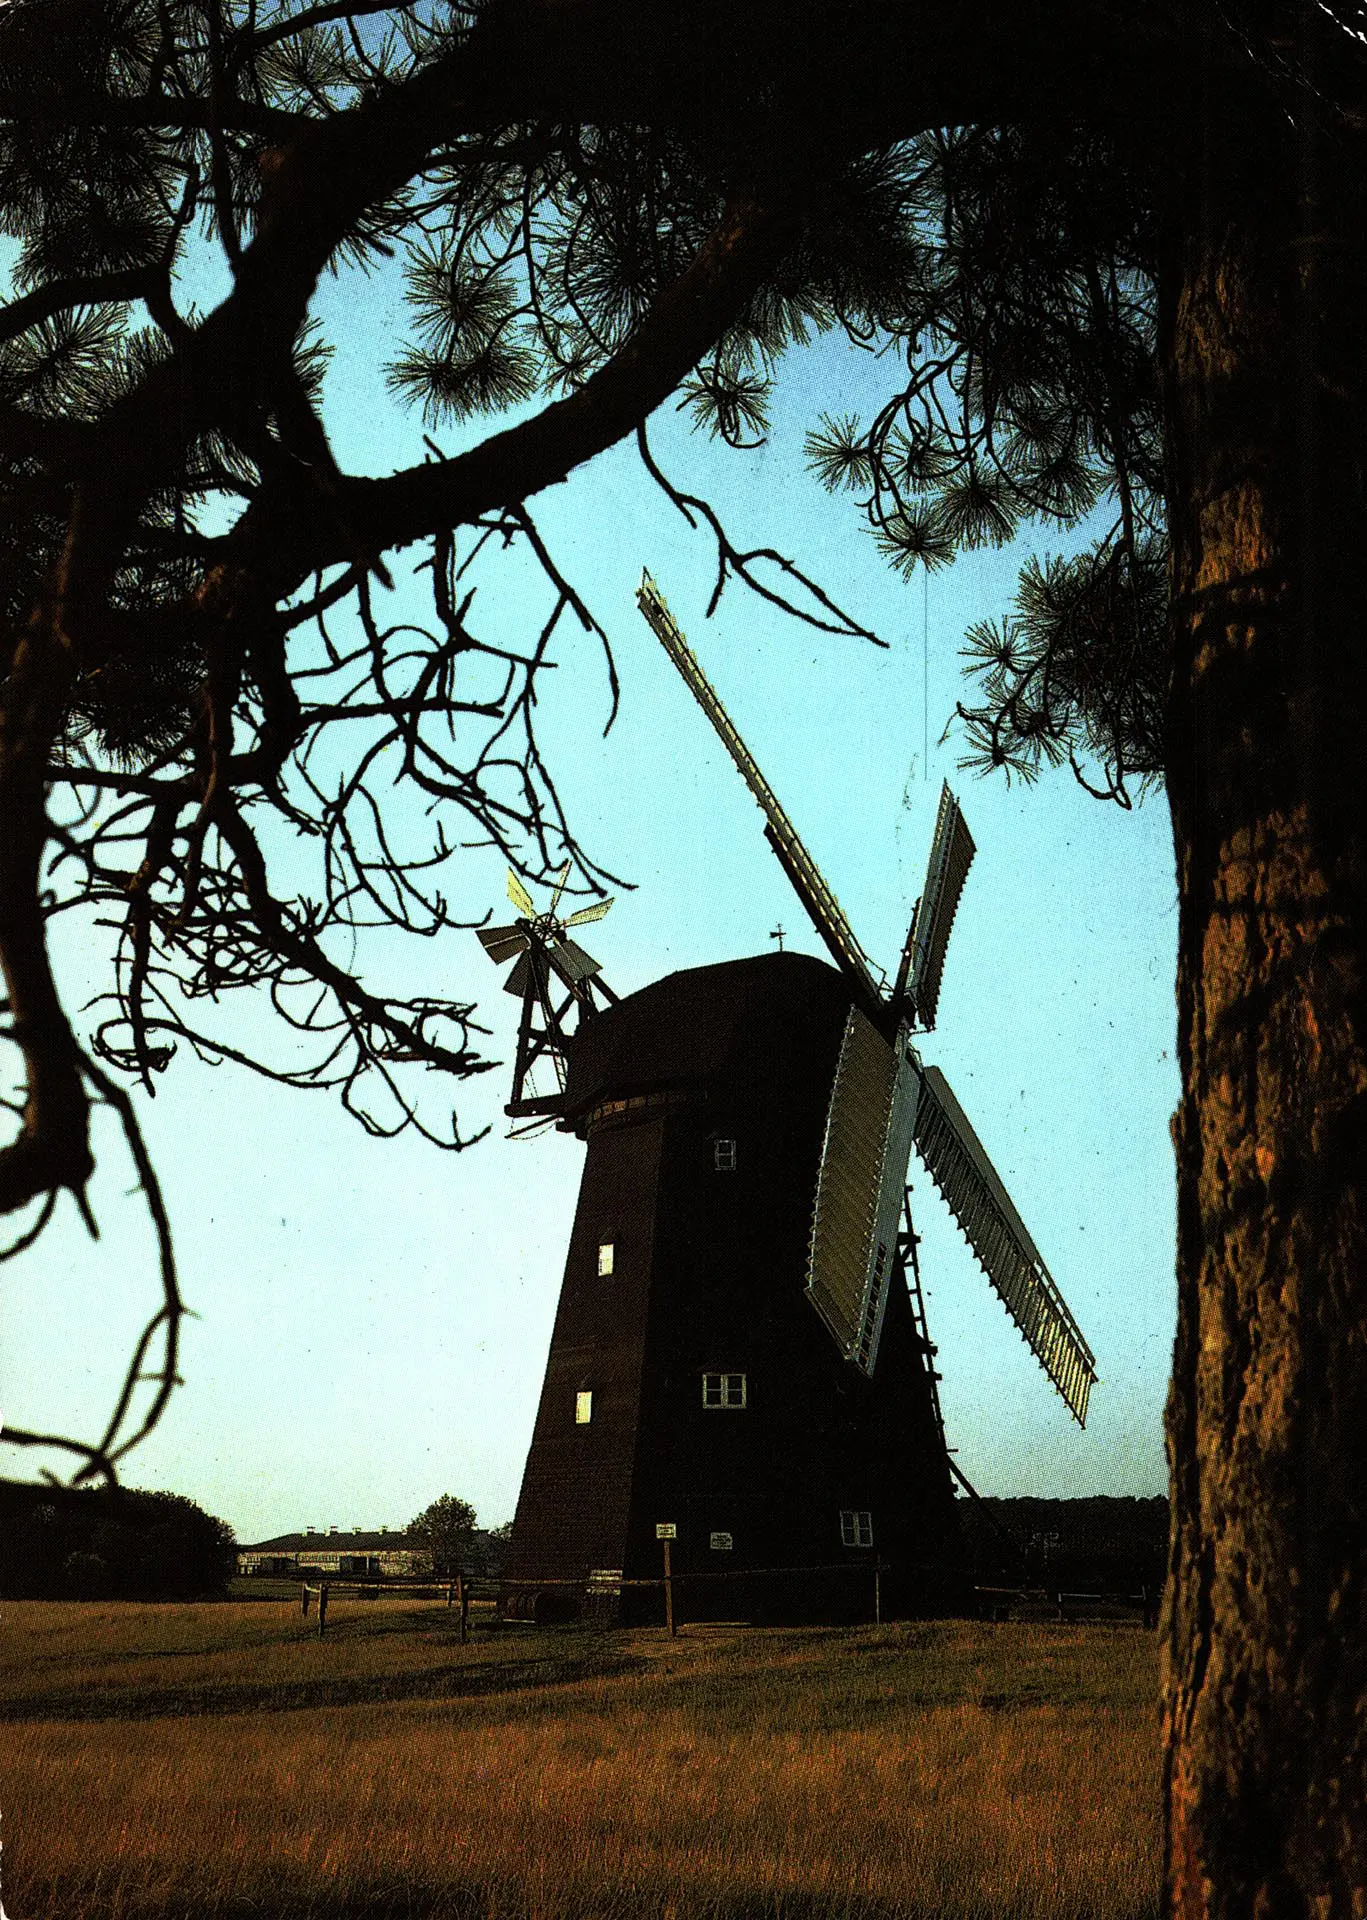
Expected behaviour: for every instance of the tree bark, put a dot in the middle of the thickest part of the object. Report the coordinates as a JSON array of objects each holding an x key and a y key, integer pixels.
[{"x": 1264, "y": 355}]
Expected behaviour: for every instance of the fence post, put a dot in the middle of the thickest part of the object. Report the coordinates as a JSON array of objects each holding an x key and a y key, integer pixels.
[
  {"x": 322, "y": 1609},
  {"x": 464, "y": 1593},
  {"x": 304, "y": 1599},
  {"x": 878, "y": 1593}
]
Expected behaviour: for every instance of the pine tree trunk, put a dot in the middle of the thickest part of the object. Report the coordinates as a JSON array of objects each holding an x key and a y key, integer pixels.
[{"x": 1264, "y": 346}]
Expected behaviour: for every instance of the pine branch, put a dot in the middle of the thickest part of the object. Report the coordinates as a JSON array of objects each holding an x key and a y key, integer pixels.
[
  {"x": 93, "y": 289},
  {"x": 541, "y": 451}
]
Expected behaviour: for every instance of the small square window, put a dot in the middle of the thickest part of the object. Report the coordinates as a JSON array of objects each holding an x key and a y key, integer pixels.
[
  {"x": 724, "y": 1156},
  {"x": 583, "y": 1409},
  {"x": 605, "y": 1257},
  {"x": 856, "y": 1529},
  {"x": 723, "y": 1389}
]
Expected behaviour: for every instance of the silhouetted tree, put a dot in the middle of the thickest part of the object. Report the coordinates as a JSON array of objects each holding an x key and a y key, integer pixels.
[{"x": 1119, "y": 253}]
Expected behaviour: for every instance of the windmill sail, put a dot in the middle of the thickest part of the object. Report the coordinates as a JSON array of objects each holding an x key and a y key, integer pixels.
[
  {"x": 951, "y": 855},
  {"x": 980, "y": 1203},
  {"x": 585, "y": 914},
  {"x": 501, "y": 943},
  {"x": 802, "y": 870},
  {"x": 528, "y": 976},
  {"x": 572, "y": 963},
  {"x": 860, "y": 1185}
]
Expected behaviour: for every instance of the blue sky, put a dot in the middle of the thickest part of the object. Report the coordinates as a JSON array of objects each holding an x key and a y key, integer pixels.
[{"x": 373, "y": 1317}]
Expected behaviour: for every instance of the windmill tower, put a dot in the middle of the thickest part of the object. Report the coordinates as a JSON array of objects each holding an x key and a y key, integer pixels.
[{"x": 740, "y": 1348}]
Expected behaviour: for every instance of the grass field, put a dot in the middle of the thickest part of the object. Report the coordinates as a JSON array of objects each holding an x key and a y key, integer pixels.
[{"x": 219, "y": 1762}]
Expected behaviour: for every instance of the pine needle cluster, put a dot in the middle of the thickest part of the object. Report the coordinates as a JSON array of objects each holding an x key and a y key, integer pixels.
[{"x": 1026, "y": 326}]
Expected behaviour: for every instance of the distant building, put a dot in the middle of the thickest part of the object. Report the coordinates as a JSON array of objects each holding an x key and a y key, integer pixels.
[
  {"x": 380, "y": 1553},
  {"x": 386, "y": 1553}
]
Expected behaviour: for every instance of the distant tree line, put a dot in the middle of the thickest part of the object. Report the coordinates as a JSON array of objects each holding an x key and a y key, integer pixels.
[
  {"x": 1108, "y": 1544},
  {"x": 57, "y": 1543}
]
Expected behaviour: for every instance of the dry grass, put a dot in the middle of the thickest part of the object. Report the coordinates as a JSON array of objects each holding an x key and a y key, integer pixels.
[{"x": 215, "y": 1762}]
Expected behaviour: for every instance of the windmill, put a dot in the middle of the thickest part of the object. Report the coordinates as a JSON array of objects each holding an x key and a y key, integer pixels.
[
  {"x": 549, "y": 965},
  {"x": 885, "y": 1100},
  {"x": 734, "y": 1355}
]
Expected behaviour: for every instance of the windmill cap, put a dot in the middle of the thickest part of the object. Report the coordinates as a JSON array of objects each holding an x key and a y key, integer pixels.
[{"x": 752, "y": 1023}]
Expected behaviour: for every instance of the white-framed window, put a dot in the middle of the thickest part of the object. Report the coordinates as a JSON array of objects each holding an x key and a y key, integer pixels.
[
  {"x": 583, "y": 1408},
  {"x": 723, "y": 1389},
  {"x": 724, "y": 1156},
  {"x": 856, "y": 1528},
  {"x": 606, "y": 1256}
]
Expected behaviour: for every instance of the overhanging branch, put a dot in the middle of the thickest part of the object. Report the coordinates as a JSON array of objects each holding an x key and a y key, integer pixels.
[{"x": 539, "y": 452}]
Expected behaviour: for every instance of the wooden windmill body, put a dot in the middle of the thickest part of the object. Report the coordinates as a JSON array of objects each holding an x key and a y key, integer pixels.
[{"x": 739, "y": 1349}]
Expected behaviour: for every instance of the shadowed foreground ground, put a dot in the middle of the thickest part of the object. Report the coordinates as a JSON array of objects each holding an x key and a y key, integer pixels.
[{"x": 218, "y": 1762}]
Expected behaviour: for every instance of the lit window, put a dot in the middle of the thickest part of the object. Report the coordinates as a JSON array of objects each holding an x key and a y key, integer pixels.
[
  {"x": 724, "y": 1156},
  {"x": 583, "y": 1409},
  {"x": 856, "y": 1529},
  {"x": 723, "y": 1389},
  {"x": 605, "y": 1259}
]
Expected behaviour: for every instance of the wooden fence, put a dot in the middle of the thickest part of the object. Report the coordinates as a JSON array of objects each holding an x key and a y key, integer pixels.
[
  {"x": 457, "y": 1592},
  {"x": 993, "y": 1603}
]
